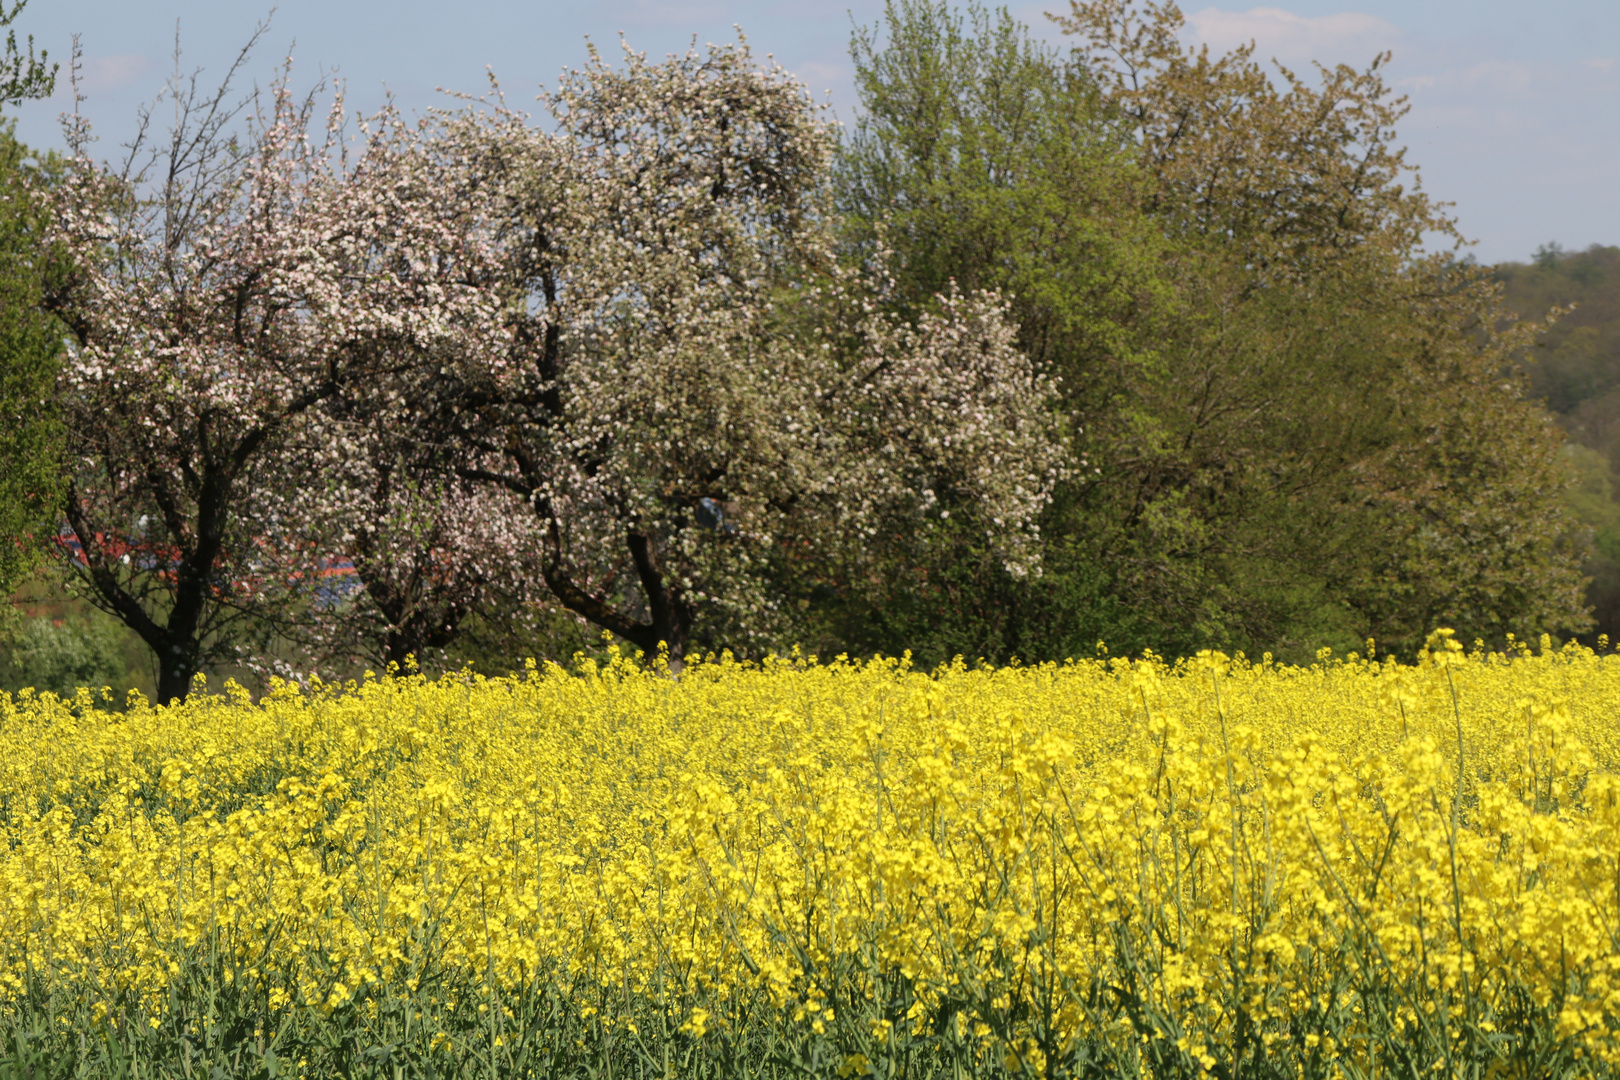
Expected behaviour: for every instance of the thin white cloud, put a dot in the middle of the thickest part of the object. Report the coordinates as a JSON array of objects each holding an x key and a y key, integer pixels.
[
  {"x": 1499, "y": 76},
  {"x": 1295, "y": 40},
  {"x": 112, "y": 72},
  {"x": 1490, "y": 80},
  {"x": 102, "y": 75}
]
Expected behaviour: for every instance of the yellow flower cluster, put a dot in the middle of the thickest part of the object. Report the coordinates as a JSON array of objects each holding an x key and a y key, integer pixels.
[{"x": 1228, "y": 848}]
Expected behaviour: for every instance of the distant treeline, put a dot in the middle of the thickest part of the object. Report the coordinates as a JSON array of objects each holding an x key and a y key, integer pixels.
[
  {"x": 1114, "y": 345},
  {"x": 1575, "y": 369}
]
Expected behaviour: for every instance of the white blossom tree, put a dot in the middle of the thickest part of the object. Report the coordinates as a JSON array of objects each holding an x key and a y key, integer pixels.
[
  {"x": 430, "y": 552},
  {"x": 226, "y": 283},
  {"x": 694, "y": 388},
  {"x": 613, "y": 365}
]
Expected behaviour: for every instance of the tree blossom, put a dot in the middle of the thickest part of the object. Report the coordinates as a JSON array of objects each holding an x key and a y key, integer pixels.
[
  {"x": 614, "y": 366},
  {"x": 667, "y": 410},
  {"x": 225, "y": 284}
]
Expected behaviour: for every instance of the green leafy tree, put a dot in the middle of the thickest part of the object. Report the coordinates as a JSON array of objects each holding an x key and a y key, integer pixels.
[
  {"x": 989, "y": 159},
  {"x": 1353, "y": 454},
  {"x": 985, "y": 159},
  {"x": 28, "y": 341},
  {"x": 1575, "y": 366},
  {"x": 1298, "y": 426},
  {"x": 29, "y": 344}
]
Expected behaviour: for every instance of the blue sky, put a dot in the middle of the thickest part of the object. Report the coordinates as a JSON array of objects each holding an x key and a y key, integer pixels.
[{"x": 1515, "y": 107}]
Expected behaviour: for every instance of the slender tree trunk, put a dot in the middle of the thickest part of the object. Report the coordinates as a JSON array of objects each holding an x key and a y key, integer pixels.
[
  {"x": 415, "y": 622},
  {"x": 671, "y": 614},
  {"x": 177, "y": 642}
]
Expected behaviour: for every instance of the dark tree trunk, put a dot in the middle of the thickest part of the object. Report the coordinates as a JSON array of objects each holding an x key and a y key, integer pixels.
[
  {"x": 672, "y": 616},
  {"x": 176, "y": 643},
  {"x": 418, "y": 632},
  {"x": 177, "y": 666},
  {"x": 416, "y": 623}
]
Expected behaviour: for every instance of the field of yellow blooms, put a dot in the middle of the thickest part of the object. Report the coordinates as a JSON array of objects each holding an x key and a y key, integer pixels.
[{"x": 1106, "y": 868}]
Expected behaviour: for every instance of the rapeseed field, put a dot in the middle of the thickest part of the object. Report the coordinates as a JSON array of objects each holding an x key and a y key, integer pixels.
[{"x": 1215, "y": 867}]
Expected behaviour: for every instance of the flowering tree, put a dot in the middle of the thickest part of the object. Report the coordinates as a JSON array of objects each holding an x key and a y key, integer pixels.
[
  {"x": 225, "y": 284},
  {"x": 617, "y": 359},
  {"x": 429, "y": 552},
  {"x": 694, "y": 389}
]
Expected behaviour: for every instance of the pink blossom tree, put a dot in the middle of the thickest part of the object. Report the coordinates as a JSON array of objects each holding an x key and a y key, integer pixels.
[{"x": 432, "y": 555}]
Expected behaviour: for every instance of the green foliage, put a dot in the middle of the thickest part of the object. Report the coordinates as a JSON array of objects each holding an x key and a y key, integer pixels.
[
  {"x": 432, "y": 1020},
  {"x": 986, "y": 158},
  {"x": 959, "y": 601},
  {"x": 1592, "y": 501},
  {"x": 1575, "y": 365},
  {"x": 1295, "y": 431},
  {"x": 46, "y": 655},
  {"x": 22, "y": 77},
  {"x": 1575, "y": 368},
  {"x": 29, "y": 346},
  {"x": 58, "y": 643}
]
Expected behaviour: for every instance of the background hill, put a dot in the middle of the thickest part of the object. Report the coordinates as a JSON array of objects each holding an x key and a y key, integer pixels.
[{"x": 1575, "y": 369}]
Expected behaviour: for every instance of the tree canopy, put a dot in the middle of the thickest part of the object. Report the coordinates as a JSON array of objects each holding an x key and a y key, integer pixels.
[
  {"x": 469, "y": 351},
  {"x": 1298, "y": 423},
  {"x": 1117, "y": 343},
  {"x": 697, "y": 391}
]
